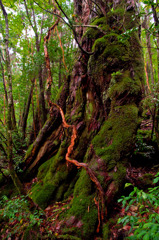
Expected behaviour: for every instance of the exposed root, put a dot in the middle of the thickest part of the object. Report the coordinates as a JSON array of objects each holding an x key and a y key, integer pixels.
[{"x": 82, "y": 165}]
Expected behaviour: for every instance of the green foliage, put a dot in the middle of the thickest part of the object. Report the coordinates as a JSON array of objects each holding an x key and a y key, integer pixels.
[
  {"x": 15, "y": 212},
  {"x": 144, "y": 221},
  {"x": 140, "y": 144},
  {"x": 153, "y": 98},
  {"x": 17, "y": 208}
]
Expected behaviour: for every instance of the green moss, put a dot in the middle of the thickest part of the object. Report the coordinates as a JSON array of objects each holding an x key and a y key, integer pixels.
[
  {"x": 83, "y": 185},
  {"x": 124, "y": 83},
  {"x": 78, "y": 106},
  {"x": 52, "y": 175},
  {"x": 89, "y": 110},
  {"x": 59, "y": 93},
  {"x": 42, "y": 194},
  {"x": 28, "y": 153},
  {"x": 106, "y": 231},
  {"x": 42, "y": 171},
  {"x": 60, "y": 192},
  {"x": 120, "y": 173},
  {"x": 68, "y": 237},
  {"x": 70, "y": 189},
  {"x": 145, "y": 134},
  {"x": 110, "y": 55},
  {"x": 116, "y": 12},
  {"x": 94, "y": 33},
  {"x": 116, "y": 135},
  {"x": 83, "y": 206},
  {"x": 56, "y": 177},
  {"x": 118, "y": 177},
  {"x": 52, "y": 187}
]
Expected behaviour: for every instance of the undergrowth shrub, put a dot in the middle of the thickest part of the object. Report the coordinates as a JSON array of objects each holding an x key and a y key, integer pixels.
[
  {"x": 16, "y": 216},
  {"x": 144, "y": 219}
]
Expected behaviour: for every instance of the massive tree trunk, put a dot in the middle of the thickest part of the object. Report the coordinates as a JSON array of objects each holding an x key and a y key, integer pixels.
[{"x": 101, "y": 105}]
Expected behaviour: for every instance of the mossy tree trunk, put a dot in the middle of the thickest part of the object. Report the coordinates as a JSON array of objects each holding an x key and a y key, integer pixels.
[{"x": 101, "y": 98}]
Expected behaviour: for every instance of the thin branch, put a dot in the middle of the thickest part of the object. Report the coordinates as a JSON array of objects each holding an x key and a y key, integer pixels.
[
  {"x": 97, "y": 6},
  {"x": 69, "y": 25},
  {"x": 63, "y": 56},
  {"x": 34, "y": 20},
  {"x": 151, "y": 47},
  {"x": 41, "y": 30},
  {"x": 2, "y": 56},
  {"x": 4, "y": 83},
  {"x": 26, "y": 8},
  {"x": 55, "y": 14},
  {"x": 90, "y": 7},
  {"x": 63, "y": 12}
]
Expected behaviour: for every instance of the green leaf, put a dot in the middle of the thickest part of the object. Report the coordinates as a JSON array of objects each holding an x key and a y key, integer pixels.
[
  {"x": 156, "y": 180},
  {"x": 144, "y": 195},
  {"x": 148, "y": 225},
  {"x": 128, "y": 185},
  {"x": 141, "y": 234},
  {"x": 146, "y": 237}
]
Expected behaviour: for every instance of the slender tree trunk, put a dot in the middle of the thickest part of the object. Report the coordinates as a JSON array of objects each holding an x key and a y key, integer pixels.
[
  {"x": 148, "y": 41},
  {"x": 156, "y": 20},
  {"x": 42, "y": 99},
  {"x": 60, "y": 77},
  {"x": 4, "y": 82},
  {"x": 11, "y": 110},
  {"x": 26, "y": 113}
]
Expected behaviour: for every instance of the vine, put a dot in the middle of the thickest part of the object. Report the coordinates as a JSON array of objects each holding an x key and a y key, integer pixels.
[{"x": 82, "y": 165}]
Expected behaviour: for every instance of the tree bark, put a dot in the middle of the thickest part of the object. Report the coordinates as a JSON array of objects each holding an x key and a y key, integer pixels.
[
  {"x": 26, "y": 112},
  {"x": 100, "y": 102},
  {"x": 149, "y": 48}
]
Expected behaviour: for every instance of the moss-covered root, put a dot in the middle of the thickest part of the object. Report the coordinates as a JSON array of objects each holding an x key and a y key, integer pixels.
[{"x": 82, "y": 217}]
